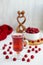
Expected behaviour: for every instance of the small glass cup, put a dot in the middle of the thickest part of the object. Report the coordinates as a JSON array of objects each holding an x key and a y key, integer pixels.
[{"x": 18, "y": 43}]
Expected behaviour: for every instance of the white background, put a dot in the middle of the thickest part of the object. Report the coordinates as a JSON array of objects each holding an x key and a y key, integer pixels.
[{"x": 33, "y": 9}]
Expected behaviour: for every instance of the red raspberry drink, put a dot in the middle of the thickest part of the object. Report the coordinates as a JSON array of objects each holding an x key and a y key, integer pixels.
[{"x": 17, "y": 42}]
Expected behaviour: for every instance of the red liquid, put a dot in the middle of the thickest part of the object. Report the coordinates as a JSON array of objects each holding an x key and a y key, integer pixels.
[{"x": 17, "y": 43}]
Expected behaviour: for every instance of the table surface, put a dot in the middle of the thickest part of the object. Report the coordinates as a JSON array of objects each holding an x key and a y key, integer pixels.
[{"x": 38, "y": 60}]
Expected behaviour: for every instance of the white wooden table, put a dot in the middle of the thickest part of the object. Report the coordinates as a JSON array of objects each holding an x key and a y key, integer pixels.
[{"x": 38, "y": 60}]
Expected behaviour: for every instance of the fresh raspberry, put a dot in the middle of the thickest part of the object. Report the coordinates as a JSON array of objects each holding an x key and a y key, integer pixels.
[
  {"x": 6, "y": 57},
  {"x": 32, "y": 56},
  {"x": 10, "y": 52},
  {"x": 32, "y": 49},
  {"x": 38, "y": 40},
  {"x": 10, "y": 43},
  {"x": 24, "y": 45},
  {"x": 4, "y": 52},
  {"x": 42, "y": 39},
  {"x": 36, "y": 51},
  {"x": 3, "y": 48},
  {"x": 39, "y": 49},
  {"x": 25, "y": 56},
  {"x": 23, "y": 59},
  {"x": 32, "y": 41},
  {"x": 14, "y": 59},
  {"x": 28, "y": 51},
  {"x": 8, "y": 49},
  {"x": 28, "y": 60},
  {"x": 29, "y": 46},
  {"x": 5, "y": 45},
  {"x": 35, "y": 46}
]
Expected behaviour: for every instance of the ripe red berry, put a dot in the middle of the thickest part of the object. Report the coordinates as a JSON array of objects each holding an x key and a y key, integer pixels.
[
  {"x": 32, "y": 56},
  {"x": 23, "y": 59},
  {"x": 4, "y": 52},
  {"x": 24, "y": 45},
  {"x": 38, "y": 40},
  {"x": 8, "y": 49},
  {"x": 6, "y": 57},
  {"x": 28, "y": 51},
  {"x": 25, "y": 56},
  {"x": 5, "y": 45},
  {"x": 35, "y": 46},
  {"x": 10, "y": 43},
  {"x": 32, "y": 41},
  {"x": 39, "y": 49},
  {"x": 10, "y": 52},
  {"x": 36, "y": 51},
  {"x": 32, "y": 49},
  {"x": 29, "y": 46},
  {"x": 42, "y": 39},
  {"x": 28, "y": 60},
  {"x": 3, "y": 48},
  {"x": 14, "y": 59}
]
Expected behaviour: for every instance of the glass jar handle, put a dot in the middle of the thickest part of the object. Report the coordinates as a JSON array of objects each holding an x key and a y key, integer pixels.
[{"x": 26, "y": 43}]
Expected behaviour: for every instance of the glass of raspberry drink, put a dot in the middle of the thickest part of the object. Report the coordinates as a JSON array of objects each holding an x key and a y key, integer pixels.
[{"x": 18, "y": 42}]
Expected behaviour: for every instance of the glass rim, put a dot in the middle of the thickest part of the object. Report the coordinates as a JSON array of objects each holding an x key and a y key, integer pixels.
[{"x": 17, "y": 35}]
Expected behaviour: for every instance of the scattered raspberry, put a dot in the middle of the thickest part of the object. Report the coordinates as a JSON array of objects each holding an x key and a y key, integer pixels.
[
  {"x": 24, "y": 45},
  {"x": 28, "y": 51},
  {"x": 7, "y": 57},
  {"x": 28, "y": 60},
  {"x": 3, "y": 48},
  {"x": 36, "y": 51},
  {"x": 23, "y": 59},
  {"x": 35, "y": 46},
  {"x": 5, "y": 45},
  {"x": 32, "y": 49},
  {"x": 39, "y": 49},
  {"x": 42, "y": 39},
  {"x": 14, "y": 59},
  {"x": 25, "y": 56},
  {"x": 4, "y": 52},
  {"x": 10, "y": 43},
  {"x": 8, "y": 49},
  {"x": 10, "y": 52},
  {"x": 32, "y": 41},
  {"x": 32, "y": 30},
  {"x": 32, "y": 56},
  {"x": 38, "y": 40},
  {"x": 29, "y": 46}
]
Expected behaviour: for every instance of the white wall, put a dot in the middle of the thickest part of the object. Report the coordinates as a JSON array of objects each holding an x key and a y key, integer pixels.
[{"x": 33, "y": 9}]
